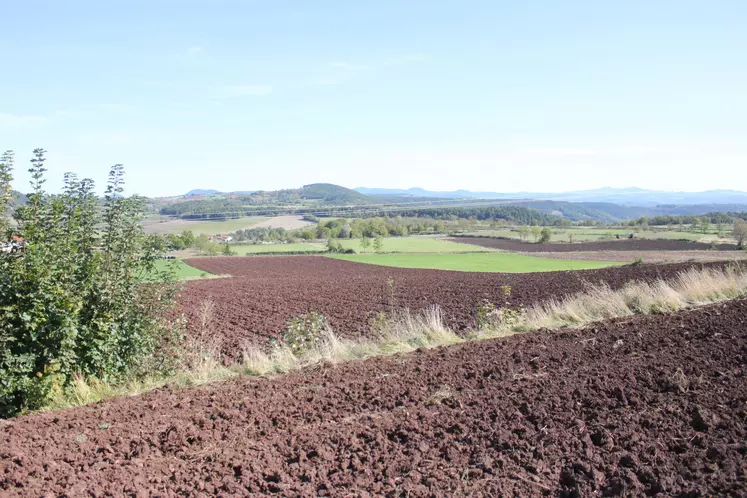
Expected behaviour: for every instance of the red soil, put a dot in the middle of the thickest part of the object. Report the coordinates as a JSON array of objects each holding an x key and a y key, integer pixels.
[
  {"x": 268, "y": 291},
  {"x": 648, "y": 405},
  {"x": 609, "y": 245}
]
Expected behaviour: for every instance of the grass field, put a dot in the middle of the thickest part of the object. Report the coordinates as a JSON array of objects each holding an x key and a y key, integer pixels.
[
  {"x": 415, "y": 245},
  {"x": 183, "y": 270},
  {"x": 164, "y": 225},
  {"x": 249, "y": 249},
  {"x": 483, "y": 262}
]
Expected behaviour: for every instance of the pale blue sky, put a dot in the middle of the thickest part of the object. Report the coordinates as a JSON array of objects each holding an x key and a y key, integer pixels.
[{"x": 443, "y": 94}]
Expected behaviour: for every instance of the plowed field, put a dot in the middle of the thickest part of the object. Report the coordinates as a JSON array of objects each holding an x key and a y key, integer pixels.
[
  {"x": 268, "y": 291},
  {"x": 652, "y": 404},
  {"x": 610, "y": 245}
]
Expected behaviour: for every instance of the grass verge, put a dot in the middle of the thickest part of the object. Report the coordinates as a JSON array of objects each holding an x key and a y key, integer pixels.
[{"x": 404, "y": 332}]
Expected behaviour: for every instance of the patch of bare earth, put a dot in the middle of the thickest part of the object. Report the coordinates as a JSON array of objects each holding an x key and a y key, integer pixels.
[
  {"x": 287, "y": 222},
  {"x": 638, "y": 406}
]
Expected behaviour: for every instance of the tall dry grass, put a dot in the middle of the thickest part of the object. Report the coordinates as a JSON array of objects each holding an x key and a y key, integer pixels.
[{"x": 600, "y": 302}]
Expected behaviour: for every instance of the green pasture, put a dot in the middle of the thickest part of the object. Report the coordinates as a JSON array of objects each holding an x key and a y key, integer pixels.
[
  {"x": 482, "y": 262},
  {"x": 182, "y": 269}
]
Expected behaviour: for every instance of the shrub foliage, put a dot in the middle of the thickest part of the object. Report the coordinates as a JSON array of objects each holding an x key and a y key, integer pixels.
[
  {"x": 304, "y": 332},
  {"x": 72, "y": 300}
]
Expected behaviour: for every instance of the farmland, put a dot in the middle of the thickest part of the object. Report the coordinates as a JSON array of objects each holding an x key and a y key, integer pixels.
[
  {"x": 576, "y": 234},
  {"x": 483, "y": 262},
  {"x": 390, "y": 244},
  {"x": 182, "y": 270},
  {"x": 495, "y": 417},
  {"x": 611, "y": 245},
  {"x": 249, "y": 249},
  {"x": 167, "y": 225},
  {"x": 415, "y": 245},
  {"x": 373, "y": 249},
  {"x": 266, "y": 292}
]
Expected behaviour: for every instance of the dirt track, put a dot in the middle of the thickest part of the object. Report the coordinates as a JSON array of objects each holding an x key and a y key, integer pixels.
[
  {"x": 268, "y": 291},
  {"x": 641, "y": 406},
  {"x": 610, "y": 245}
]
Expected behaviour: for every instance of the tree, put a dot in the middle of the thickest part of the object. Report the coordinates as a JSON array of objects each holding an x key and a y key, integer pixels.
[
  {"x": 226, "y": 250},
  {"x": 705, "y": 225},
  {"x": 536, "y": 231},
  {"x": 202, "y": 242},
  {"x": 523, "y": 232},
  {"x": 740, "y": 232},
  {"x": 188, "y": 238},
  {"x": 545, "y": 235},
  {"x": 365, "y": 242},
  {"x": 378, "y": 243},
  {"x": 6, "y": 194}
]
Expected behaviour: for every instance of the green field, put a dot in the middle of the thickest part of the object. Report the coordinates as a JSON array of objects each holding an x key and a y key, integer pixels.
[
  {"x": 183, "y": 270},
  {"x": 483, "y": 262},
  {"x": 249, "y": 249},
  {"x": 414, "y": 245},
  {"x": 164, "y": 225}
]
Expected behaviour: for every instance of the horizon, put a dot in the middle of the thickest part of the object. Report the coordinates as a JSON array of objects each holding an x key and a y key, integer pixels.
[{"x": 461, "y": 95}]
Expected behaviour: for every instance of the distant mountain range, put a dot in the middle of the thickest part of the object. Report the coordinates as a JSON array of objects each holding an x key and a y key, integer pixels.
[
  {"x": 631, "y": 196},
  {"x": 604, "y": 204}
]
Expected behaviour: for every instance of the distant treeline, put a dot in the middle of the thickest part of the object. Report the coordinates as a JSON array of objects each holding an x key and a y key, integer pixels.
[
  {"x": 512, "y": 214},
  {"x": 713, "y": 218}
]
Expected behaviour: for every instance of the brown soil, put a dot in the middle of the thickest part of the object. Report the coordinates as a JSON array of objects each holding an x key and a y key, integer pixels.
[
  {"x": 607, "y": 245},
  {"x": 267, "y": 291},
  {"x": 642, "y": 406}
]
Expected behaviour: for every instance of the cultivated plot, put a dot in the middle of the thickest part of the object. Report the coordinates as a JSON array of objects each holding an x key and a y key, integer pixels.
[
  {"x": 266, "y": 292},
  {"x": 643, "y": 406}
]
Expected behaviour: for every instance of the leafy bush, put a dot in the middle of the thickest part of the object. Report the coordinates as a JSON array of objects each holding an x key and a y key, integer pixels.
[
  {"x": 304, "y": 332},
  {"x": 73, "y": 300}
]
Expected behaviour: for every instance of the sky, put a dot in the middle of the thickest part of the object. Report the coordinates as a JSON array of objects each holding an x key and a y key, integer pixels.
[{"x": 484, "y": 95}]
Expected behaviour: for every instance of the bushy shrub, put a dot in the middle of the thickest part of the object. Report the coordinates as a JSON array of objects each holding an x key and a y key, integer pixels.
[
  {"x": 304, "y": 332},
  {"x": 73, "y": 300}
]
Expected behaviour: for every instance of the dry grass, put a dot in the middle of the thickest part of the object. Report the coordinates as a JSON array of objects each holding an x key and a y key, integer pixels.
[
  {"x": 404, "y": 332},
  {"x": 599, "y": 302}
]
